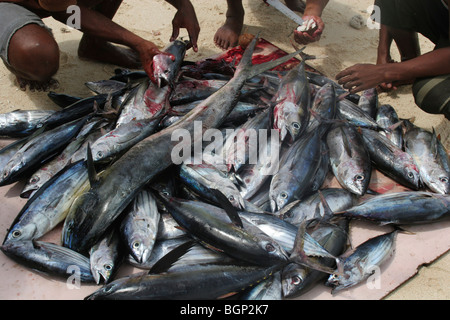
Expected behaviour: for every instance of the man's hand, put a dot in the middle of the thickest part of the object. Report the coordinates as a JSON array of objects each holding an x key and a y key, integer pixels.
[
  {"x": 147, "y": 50},
  {"x": 313, "y": 28},
  {"x": 363, "y": 76},
  {"x": 186, "y": 18}
]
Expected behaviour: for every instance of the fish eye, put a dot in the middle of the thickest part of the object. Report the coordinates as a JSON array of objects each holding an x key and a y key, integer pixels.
[
  {"x": 359, "y": 177},
  {"x": 99, "y": 154},
  {"x": 296, "y": 280},
  {"x": 284, "y": 195},
  {"x": 443, "y": 179},
  {"x": 34, "y": 180},
  {"x": 410, "y": 175},
  {"x": 296, "y": 125},
  {"x": 270, "y": 247},
  {"x": 16, "y": 233},
  {"x": 107, "y": 267},
  {"x": 231, "y": 198},
  {"x": 166, "y": 193},
  {"x": 136, "y": 245}
]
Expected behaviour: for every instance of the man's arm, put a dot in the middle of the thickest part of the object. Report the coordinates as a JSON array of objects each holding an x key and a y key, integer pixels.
[
  {"x": 365, "y": 76},
  {"x": 185, "y": 18}
]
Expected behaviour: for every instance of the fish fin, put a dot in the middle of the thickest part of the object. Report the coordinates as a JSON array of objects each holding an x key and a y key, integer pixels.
[
  {"x": 299, "y": 256},
  {"x": 282, "y": 212},
  {"x": 228, "y": 207},
  {"x": 92, "y": 173},
  {"x": 167, "y": 261}
]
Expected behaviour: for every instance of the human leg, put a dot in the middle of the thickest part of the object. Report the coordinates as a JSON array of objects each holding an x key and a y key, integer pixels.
[
  {"x": 28, "y": 48},
  {"x": 227, "y": 35}
]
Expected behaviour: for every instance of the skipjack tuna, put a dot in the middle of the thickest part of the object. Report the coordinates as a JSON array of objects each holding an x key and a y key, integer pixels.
[{"x": 212, "y": 229}]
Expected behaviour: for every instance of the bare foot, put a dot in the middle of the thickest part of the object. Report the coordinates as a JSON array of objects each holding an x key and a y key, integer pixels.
[
  {"x": 227, "y": 36},
  {"x": 51, "y": 84},
  {"x": 296, "y": 5},
  {"x": 103, "y": 51}
]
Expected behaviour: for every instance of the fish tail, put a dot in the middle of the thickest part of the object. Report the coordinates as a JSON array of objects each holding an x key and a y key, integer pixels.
[{"x": 245, "y": 66}]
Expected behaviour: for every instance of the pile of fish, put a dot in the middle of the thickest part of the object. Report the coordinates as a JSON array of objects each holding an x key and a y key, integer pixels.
[{"x": 104, "y": 168}]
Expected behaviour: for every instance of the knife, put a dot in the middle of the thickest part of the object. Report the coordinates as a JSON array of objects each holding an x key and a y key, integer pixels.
[{"x": 285, "y": 10}]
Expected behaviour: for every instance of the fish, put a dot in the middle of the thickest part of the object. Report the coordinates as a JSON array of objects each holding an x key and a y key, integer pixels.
[
  {"x": 144, "y": 101},
  {"x": 241, "y": 146},
  {"x": 292, "y": 103},
  {"x": 49, "y": 205},
  {"x": 49, "y": 169},
  {"x": 351, "y": 112},
  {"x": 139, "y": 226},
  {"x": 38, "y": 150},
  {"x": 388, "y": 121},
  {"x": 196, "y": 283},
  {"x": 298, "y": 166},
  {"x": 323, "y": 108},
  {"x": 203, "y": 177},
  {"x": 50, "y": 259},
  {"x": 297, "y": 279},
  {"x": 116, "y": 187},
  {"x": 106, "y": 256},
  {"x": 251, "y": 177},
  {"x": 433, "y": 164},
  {"x": 365, "y": 260},
  {"x": 268, "y": 289},
  {"x": 21, "y": 123},
  {"x": 400, "y": 208},
  {"x": 391, "y": 160},
  {"x": 369, "y": 103},
  {"x": 211, "y": 225},
  {"x": 165, "y": 70},
  {"x": 349, "y": 159},
  {"x": 316, "y": 205}
]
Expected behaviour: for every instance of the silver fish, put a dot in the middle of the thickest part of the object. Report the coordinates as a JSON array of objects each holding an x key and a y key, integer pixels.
[
  {"x": 140, "y": 226},
  {"x": 269, "y": 289},
  {"x": 105, "y": 257},
  {"x": 292, "y": 103},
  {"x": 388, "y": 120},
  {"x": 297, "y": 169},
  {"x": 407, "y": 207},
  {"x": 203, "y": 177},
  {"x": 368, "y": 102},
  {"x": 50, "y": 205},
  {"x": 363, "y": 262},
  {"x": 391, "y": 160},
  {"x": 298, "y": 279},
  {"x": 215, "y": 281},
  {"x": 38, "y": 150},
  {"x": 50, "y": 259},
  {"x": 20, "y": 123},
  {"x": 315, "y": 206},
  {"x": 433, "y": 165},
  {"x": 349, "y": 159},
  {"x": 165, "y": 70}
]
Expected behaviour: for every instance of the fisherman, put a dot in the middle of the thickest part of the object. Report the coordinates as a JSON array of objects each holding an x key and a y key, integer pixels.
[
  {"x": 30, "y": 52},
  {"x": 429, "y": 73},
  {"x": 227, "y": 36}
]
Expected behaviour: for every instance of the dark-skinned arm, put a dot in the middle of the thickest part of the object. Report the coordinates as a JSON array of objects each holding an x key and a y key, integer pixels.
[{"x": 365, "y": 76}]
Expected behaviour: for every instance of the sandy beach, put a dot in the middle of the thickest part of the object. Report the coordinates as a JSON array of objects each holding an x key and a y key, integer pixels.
[{"x": 340, "y": 46}]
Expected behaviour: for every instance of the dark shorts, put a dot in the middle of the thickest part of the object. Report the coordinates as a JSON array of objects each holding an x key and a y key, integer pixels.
[
  {"x": 431, "y": 19},
  {"x": 12, "y": 18},
  {"x": 427, "y": 17}
]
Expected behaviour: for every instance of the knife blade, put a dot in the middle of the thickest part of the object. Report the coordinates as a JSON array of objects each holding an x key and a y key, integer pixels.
[{"x": 286, "y": 11}]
